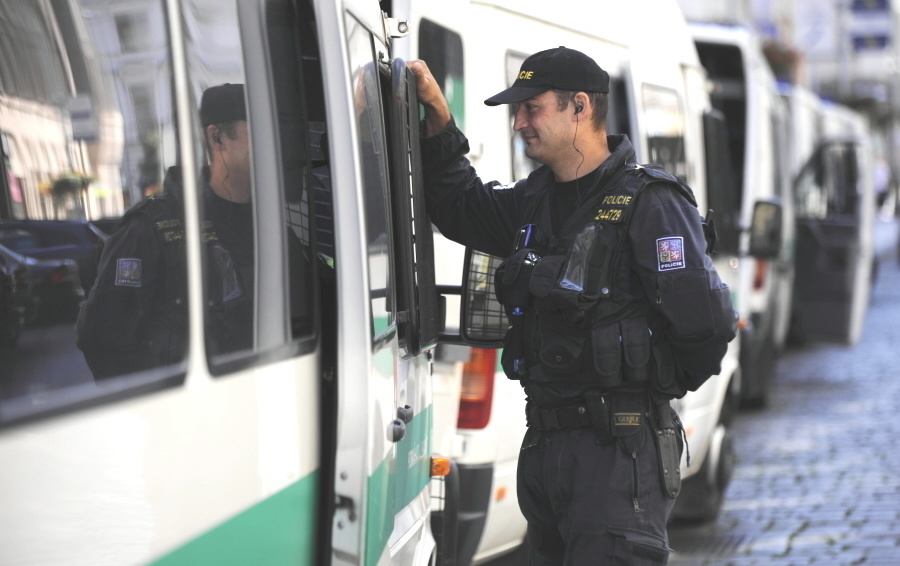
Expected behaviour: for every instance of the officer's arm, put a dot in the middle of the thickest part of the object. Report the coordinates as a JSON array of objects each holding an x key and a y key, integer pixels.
[
  {"x": 466, "y": 209},
  {"x": 681, "y": 283},
  {"x": 111, "y": 323}
]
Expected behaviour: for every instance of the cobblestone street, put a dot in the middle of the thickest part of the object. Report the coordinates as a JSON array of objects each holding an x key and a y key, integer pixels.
[{"x": 818, "y": 474}]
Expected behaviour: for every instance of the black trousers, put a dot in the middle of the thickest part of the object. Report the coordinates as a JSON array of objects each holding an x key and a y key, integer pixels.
[{"x": 590, "y": 504}]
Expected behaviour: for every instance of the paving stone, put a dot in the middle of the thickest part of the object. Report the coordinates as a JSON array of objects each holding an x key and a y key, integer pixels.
[{"x": 818, "y": 475}]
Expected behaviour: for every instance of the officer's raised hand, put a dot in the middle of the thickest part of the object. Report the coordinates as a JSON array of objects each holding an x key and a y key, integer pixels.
[{"x": 437, "y": 111}]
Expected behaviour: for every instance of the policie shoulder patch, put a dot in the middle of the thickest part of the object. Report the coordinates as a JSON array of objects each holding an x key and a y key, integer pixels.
[
  {"x": 128, "y": 272},
  {"x": 670, "y": 253}
]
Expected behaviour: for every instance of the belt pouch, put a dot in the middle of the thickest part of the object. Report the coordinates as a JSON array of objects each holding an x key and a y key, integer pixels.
[
  {"x": 598, "y": 411},
  {"x": 628, "y": 413},
  {"x": 635, "y": 349},
  {"x": 513, "y": 356},
  {"x": 606, "y": 350}
]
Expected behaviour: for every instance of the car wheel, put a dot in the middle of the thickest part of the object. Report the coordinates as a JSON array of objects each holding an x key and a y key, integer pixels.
[{"x": 758, "y": 369}]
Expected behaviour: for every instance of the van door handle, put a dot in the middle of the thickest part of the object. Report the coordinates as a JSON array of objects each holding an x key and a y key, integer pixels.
[
  {"x": 398, "y": 427},
  {"x": 405, "y": 413},
  {"x": 398, "y": 430}
]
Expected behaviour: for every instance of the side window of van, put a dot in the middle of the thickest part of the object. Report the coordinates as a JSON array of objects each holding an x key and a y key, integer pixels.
[
  {"x": 843, "y": 189},
  {"x": 522, "y": 165},
  {"x": 664, "y": 121},
  {"x": 810, "y": 190},
  {"x": 366, "y": 82},
  {"x": 90, "y": 140},
  {"x": 88, "y": 133},
  {"x": 236, "y": 183},
  {"x": 442, "y": 49},
  {"x": 224, "y": 179},
  {"x": 618, "y": 119},
  {"x": 779, "y": 156}
]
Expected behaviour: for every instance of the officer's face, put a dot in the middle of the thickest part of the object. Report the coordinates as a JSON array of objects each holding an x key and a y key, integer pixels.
[
  {"x": 547, "y": 131},
  {"x": 237, "y": 160}
]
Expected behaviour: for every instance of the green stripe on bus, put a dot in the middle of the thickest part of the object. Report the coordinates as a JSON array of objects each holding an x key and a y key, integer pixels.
[
  {"x": 279, "y": 530},
  {"x": 396, "y": 482}
]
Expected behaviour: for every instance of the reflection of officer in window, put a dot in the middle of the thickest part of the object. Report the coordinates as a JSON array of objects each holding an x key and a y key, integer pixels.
[{"x": 136, "y": 315}]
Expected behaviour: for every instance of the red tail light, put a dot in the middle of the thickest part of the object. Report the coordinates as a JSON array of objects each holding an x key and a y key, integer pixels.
[
  {"x": 759, "y": 275},
  {"x": 477, "y": 395},
  {"x": 58, "y": 275}
]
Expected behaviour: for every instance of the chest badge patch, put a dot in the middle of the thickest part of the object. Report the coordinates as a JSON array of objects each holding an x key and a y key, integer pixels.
[
  {"x": 128, "y": 272},
  {"x": 670, "y": 253}
]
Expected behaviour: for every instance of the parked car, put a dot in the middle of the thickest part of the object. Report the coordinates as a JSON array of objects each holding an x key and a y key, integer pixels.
[
  {"x": 11, "y": 313},
  {"x": 51, "y": 287},
  {"x": 79, "y": 240},
  {"x": 16, "y": 266}
]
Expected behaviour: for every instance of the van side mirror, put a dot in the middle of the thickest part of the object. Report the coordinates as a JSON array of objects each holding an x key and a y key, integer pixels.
[
  {"x": 765, "y": 230},
  {"x": 483, "y": 321}
]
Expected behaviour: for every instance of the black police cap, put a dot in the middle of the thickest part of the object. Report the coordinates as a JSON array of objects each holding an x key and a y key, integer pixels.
[
  {"x": 559, "y": 68},
  {"x": 222, "y": 103}
]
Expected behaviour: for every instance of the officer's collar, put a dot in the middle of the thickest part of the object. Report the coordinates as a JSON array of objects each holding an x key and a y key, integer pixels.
[{"x": 621, "y": 152}]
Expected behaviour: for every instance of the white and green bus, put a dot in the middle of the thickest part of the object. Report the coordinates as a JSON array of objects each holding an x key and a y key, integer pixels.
[{"x": 313, "y": 446}]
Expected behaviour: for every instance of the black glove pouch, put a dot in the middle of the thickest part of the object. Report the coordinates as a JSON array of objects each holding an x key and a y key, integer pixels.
[{"x": 512, "y": 278}]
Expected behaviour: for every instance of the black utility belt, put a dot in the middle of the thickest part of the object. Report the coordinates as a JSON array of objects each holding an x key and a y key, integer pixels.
[{"x": 610, "y": 414}]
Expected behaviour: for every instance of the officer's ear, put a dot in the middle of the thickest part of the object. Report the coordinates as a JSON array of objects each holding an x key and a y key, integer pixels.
[
  {"x": 579, "y": 99},
  {"x": 213, "y": 135}
]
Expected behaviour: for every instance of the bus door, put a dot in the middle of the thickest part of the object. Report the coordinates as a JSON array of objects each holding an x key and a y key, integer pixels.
[{"x": 387, "y": 305}]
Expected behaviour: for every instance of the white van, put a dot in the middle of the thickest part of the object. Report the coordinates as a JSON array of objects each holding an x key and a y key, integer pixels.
[
  {"x": 311, "y": 447},
  {"x": 657, "y": 97},
  {"x": 835, "y": 200},
  {"x": 743, "y": 88}
]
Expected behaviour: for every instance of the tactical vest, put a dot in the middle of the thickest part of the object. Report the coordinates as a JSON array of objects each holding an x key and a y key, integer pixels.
[{"x": 585, "y": 323}]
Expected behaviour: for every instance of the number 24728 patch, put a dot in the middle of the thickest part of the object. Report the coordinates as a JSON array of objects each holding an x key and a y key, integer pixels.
[{"x": 670, "y": 253}]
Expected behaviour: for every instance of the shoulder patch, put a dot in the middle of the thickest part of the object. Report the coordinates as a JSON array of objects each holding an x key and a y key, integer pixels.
[
  {"x": 670, "y": 253},
  {"x": 128, "y": 272}
]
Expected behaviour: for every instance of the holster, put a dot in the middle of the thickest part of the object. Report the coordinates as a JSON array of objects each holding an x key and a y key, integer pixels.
[{"x": 670, "y": 442}]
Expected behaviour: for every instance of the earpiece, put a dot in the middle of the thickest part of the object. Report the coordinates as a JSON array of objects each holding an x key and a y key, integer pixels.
[
  {"x": 578, "y": 107},
  {"x": 217, "y": 137}
]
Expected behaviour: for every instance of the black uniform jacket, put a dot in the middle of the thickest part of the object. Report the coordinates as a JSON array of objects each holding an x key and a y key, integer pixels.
[
  {"x": 664, "y": 258},
  {"x": 135, "y": 316}
]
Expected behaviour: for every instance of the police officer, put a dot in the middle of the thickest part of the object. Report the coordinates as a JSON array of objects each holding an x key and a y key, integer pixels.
[
  {"x": 615, "y": 307},
  {"x": 135, "y": 317}
]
